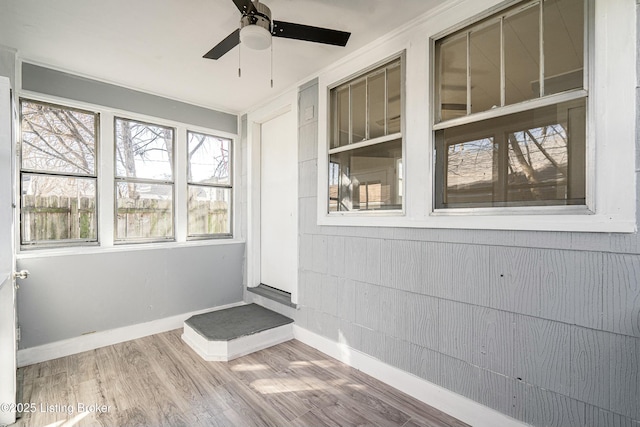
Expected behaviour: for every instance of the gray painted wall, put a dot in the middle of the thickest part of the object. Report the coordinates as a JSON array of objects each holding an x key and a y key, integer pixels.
[
  {"x": 542, "y": 326},
  {"x": 71, "y": 295},
  {"x": 52, "y": 82}
]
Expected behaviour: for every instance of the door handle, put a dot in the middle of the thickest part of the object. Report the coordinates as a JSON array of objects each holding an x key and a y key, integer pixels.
[{"x": 22, "y": 274}]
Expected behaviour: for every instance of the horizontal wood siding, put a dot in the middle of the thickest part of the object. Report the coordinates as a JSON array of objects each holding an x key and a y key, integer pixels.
[{"x": 542, "y": 326}]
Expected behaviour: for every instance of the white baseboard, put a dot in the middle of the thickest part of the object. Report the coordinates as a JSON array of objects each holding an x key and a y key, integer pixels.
[
  {"x": 54, "y": 350},
  {"x": 460, "y": 407},
  {"x": 223, "y": 351},
  {"x": 440, "y": 398}
]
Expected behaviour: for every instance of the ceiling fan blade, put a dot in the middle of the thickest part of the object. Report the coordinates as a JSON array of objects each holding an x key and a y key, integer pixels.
[
  {"x": 245, "y": 6},
  {"x": 231, "y": 41},
  {"x": 308, "y": 33}
]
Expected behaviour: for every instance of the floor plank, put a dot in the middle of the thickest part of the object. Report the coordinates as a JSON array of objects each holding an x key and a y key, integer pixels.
[{"x": 160, "y": 381}]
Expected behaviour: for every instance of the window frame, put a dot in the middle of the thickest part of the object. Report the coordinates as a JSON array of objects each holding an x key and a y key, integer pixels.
[
  {"x": 611, "y": 126},
  {"x": 117, "y": 179},
  {"x": 505, "y": 109},
  {"x": 105, "y": 183},
  {"x": 95, "y": 177},
  {"x": 356, "y": 77},
  {"x": 229, "y": 187}
]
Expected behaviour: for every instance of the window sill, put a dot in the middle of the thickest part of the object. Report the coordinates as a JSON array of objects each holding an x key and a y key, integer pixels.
[
  {"x": 564, "y": 218},
  {"x": 82, "y": 250},
  {"x": 370, "y": 213}
]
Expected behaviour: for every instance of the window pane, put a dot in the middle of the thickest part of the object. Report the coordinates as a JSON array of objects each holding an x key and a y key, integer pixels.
[
  {"x": 367, "y": 178},
  {"x": 522, "y": 55},
  {"x": 143, "y": 151},
  {"x": 209, "y": 210},
  {"x": 209, "y": 159},
  {"x": 340, "y": 126},
  {"x": 453, "y": 77},
  {"x": 531, "y": 158},
  {"x": 367, "y": 107},
  {"x": 359, "y": 111},
  {"x": 394, "y": 100},
  {"x": 144, "y": 211},
  {"x": 377, "y": 101},
  {"x": 56, "y": 139},
  {"x": 485, "y": 68},
  {"x": 564, "y": 45},
  {"x": 471, "y": 171},
  {"x": 57, "y": 209}
]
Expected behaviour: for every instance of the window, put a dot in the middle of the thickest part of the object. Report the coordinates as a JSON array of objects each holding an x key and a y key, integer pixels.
[
  {"x": 516, "y": 121},
  {"x": 510, "y": 122},
  {"x": 144, "y": 176},
  {"x": 365, "y": 147},
  {"x": 209, "y": 186},
  {"x": 58, "y": 178}
]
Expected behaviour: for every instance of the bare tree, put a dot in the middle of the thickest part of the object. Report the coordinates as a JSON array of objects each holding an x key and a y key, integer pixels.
[
  {"x": 57, "y": 140},
  {"x": 216, "y": 150},
  {"x": 138, "y": 145}
]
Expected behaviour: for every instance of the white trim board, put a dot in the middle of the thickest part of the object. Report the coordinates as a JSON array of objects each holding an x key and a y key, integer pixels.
[
  {"x": 284, "y": 103},
  {"x": 224, "y": 351},
  {"x": 54, "y": 350},
  {"x": 460, "y": 407}
]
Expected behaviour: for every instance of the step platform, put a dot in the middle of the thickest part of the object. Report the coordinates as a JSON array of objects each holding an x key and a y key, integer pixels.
[{"x": 226, "y": 334}]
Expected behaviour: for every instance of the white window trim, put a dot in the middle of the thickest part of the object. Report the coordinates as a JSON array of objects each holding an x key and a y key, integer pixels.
[
  {"x": 119, "y": 179},
  {"x": 106, "y": 180},
  {"x": 19, "y": 172},
  {"x": 326, "y": 84},
  {"x": 230, "y": 186},
  {"x": 359, "y": 76},
  {"x": 611, "y": 127}
]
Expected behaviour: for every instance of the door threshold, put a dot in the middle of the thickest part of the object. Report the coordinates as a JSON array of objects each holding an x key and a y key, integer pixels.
[{"x": 273, "y": 294}]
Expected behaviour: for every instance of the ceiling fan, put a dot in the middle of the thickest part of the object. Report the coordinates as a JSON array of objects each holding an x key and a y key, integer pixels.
[{"x": 257, "y": 28}]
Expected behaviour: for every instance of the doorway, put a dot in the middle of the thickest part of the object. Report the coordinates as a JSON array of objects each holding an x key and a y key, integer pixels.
[{"x": 279, "y": 203}]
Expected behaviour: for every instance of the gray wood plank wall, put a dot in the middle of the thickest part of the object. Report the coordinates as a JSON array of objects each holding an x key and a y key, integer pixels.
[{"x": 542, "y": 326}]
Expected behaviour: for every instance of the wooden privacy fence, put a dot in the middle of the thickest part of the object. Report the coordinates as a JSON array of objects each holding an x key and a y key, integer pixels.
[
  {"x": 144, "y": 218},
  {"x": 46, "y": 218},
  {"x": 58, "y": 218},
  {"x": 208, "y": 217}
]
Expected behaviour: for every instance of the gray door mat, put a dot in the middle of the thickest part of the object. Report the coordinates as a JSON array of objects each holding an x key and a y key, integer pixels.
[{"x": 236, "y": 322}]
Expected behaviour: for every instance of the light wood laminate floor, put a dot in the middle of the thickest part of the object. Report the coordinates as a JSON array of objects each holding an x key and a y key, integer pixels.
[{"x": 158, "y": 380}]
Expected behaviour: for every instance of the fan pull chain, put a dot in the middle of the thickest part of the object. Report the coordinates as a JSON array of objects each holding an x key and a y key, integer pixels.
[
  {"x": 272, "y": 64},
  {"x": 239, "y": 60}
]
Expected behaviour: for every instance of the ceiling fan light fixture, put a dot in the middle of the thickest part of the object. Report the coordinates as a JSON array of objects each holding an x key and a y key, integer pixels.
[
  {"x": 255, "y": 37},
  {"x": 257, "y": 28}
]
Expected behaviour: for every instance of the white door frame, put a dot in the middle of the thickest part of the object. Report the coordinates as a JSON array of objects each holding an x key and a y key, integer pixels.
[
  {"x": 288, "y": 102},
  {"x": 8, "y": 363}
]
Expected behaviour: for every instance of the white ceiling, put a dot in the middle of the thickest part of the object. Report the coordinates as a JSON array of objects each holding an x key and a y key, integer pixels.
[{"x": 157, "y": 45}]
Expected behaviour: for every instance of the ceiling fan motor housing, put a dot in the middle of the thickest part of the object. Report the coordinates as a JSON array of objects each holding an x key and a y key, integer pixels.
[{"x": 261, "y": 17}]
